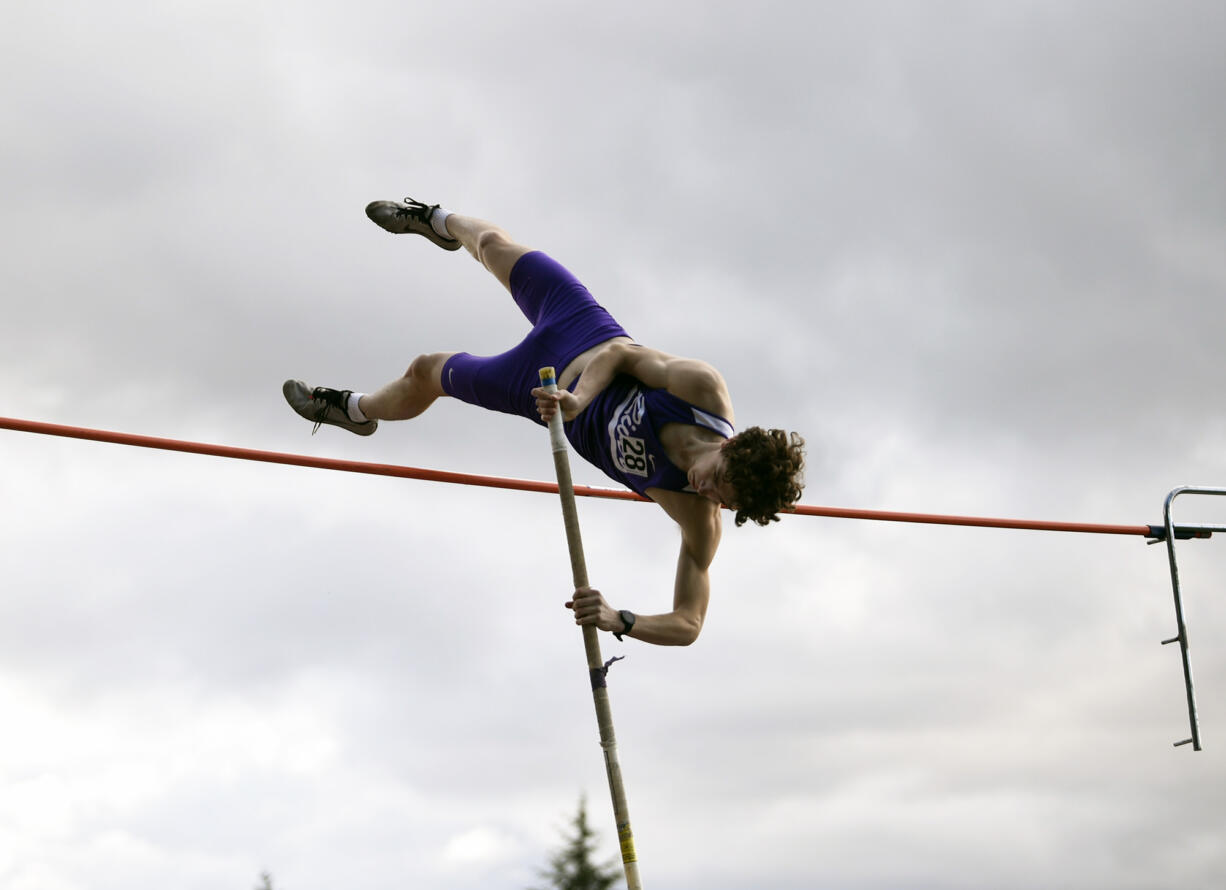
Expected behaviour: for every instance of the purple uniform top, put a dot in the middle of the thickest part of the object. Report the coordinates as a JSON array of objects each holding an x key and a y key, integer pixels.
[
  {"x": 620, "y": 433},
  {"x": 620, "y": 430}
]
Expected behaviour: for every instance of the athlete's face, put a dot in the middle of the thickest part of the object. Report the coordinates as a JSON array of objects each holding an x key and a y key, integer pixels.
[{"x": 707, "y": 479}]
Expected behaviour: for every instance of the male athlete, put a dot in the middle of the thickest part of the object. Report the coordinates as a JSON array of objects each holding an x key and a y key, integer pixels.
[{"x": 658, "y": 424}]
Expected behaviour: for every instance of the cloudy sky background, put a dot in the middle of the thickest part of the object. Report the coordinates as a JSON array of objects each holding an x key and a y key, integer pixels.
[{"x": 975, "y": 252}]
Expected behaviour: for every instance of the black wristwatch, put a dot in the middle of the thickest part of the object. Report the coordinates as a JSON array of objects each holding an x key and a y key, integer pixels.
[{"x": 627, "y": 618}]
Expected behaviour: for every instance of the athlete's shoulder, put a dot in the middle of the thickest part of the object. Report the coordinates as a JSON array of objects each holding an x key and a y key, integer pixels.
[{"x": 693, "y": 380}]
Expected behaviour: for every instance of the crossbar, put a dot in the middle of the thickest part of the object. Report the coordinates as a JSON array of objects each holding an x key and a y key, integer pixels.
[{"x": 1154, "y": 532}]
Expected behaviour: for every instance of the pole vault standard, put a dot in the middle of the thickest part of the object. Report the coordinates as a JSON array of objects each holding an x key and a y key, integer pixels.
[
  {"x": 596, "y": 667},
  {"x": 1168, "y": 531}
]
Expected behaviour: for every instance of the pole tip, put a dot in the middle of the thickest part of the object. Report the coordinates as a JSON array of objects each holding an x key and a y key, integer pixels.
[{"x": 548, "y": 376}]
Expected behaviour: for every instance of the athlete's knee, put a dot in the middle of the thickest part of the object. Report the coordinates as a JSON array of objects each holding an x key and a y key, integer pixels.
[
  {"x": 491, "y": 242},
  {"x": 427, "y": 368}
]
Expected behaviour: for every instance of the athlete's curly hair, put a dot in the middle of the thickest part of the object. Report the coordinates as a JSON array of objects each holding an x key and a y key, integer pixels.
[{"x": 766, "y": 467}]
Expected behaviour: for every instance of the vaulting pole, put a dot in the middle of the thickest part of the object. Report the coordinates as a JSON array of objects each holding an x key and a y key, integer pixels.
[{"x": 591, "y": 642}]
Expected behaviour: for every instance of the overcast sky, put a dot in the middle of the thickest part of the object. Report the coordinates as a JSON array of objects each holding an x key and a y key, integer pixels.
[{"x": 974, "y": 252}]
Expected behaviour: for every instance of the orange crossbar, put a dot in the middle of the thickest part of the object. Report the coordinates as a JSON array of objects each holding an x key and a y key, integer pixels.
[{"x": 353, "y": 466}]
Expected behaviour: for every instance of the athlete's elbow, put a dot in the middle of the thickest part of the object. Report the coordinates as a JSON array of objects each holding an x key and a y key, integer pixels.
[
  {"x": 616, "y": 353},
  {"x": 688, "y": 631}
]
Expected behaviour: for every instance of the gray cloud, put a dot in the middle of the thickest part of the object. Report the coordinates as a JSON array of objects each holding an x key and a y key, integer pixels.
[{"x": 973, "y": 253}]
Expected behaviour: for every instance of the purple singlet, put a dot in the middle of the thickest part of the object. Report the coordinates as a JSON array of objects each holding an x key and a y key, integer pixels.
[{"x": 620, "y": 433}]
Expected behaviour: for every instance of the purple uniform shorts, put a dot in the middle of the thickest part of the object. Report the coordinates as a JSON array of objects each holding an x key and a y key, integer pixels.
[{"x": 566, "y": 321}]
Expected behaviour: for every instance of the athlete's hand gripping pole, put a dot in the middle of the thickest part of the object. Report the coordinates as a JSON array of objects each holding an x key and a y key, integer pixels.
[{"x": 591, "y": 642}]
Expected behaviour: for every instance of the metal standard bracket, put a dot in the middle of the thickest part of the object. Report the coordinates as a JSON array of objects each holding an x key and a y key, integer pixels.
[{"x": 1170, "y": 534}]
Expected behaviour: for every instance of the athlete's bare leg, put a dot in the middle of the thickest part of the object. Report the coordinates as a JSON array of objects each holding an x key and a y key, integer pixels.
[
  {"x": 422, "y": 383},
  {"x": 489, "y": 244},
  {"x": 410, "y": 395}
]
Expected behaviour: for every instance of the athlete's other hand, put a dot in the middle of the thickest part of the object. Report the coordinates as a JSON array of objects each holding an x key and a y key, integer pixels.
[
  {"x": 548, "y": 403},
  {"x": 590, "y": 608}
]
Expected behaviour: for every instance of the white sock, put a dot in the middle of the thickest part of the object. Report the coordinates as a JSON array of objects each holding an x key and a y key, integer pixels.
[
  {"x": 354, "y": 409},
  {"x": 438, "y": 222}
]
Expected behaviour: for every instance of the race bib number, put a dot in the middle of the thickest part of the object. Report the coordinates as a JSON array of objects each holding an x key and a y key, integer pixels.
[
  {"x": 633, "y": 455},
  {"x": 629, "y": 451}
]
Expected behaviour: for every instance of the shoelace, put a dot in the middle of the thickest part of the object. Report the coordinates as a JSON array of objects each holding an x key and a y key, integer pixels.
[
  {"x": 321, "y": 409},
  {"x": 417, "y": 210},
  {"x": 320, "y": 413}
]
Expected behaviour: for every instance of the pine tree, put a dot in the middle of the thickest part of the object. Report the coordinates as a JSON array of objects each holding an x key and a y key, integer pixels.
[{"x": 571, "y": 868}]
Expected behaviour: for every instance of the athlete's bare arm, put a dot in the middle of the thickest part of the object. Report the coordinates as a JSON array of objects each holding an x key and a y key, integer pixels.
[
  {"x": 690, "y": 379},
  {"x": 699, "y": 520}
]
